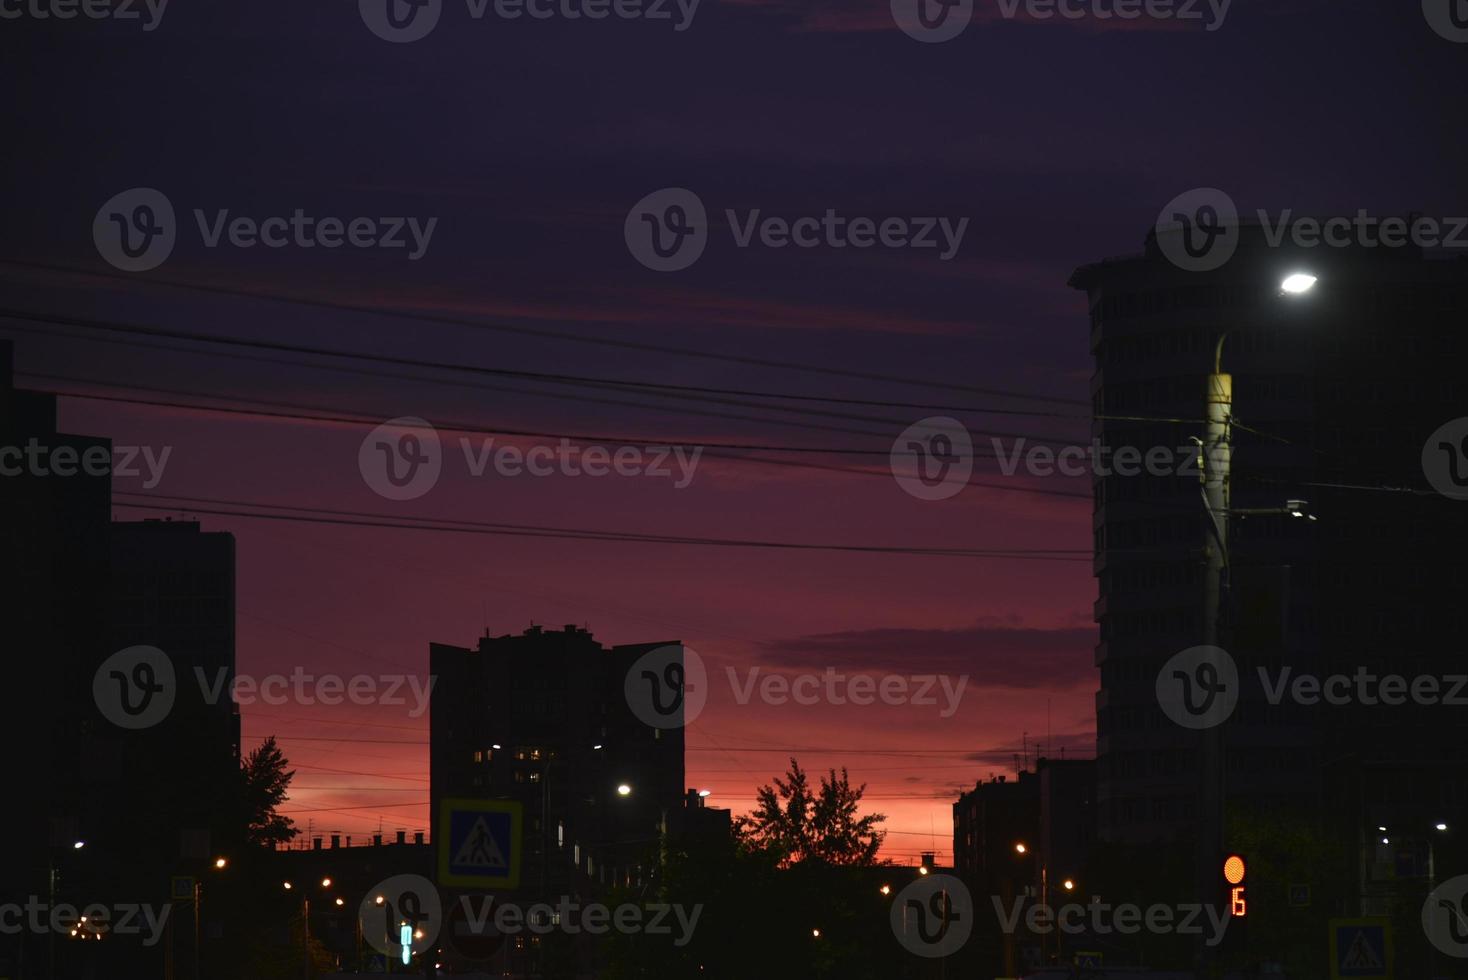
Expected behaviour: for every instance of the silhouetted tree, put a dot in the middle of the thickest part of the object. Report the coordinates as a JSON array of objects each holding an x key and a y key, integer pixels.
[
  {"x": 797, "y": 824},
  {"x": 266, "y": 783}
]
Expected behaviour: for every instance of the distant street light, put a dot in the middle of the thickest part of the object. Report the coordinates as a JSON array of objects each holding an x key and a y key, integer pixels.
[
  {"x": 79, "y": 845},
  {"x": 221, "y": 862},
  {"x": 705, "y": 794},
  {"x": 624, "y": 790},
  {"x": 287, "y": 886},
  {"x": 325, "y": 882},
  {"x": 1068, "y": 885},
  {"x": 1442, "y": 826},
  {"x": 1020, "y": 849},
  {"x": 885, "y": 889}
]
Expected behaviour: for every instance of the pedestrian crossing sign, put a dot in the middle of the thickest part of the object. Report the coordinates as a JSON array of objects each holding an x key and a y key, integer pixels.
[
  {"x": 479, "y": 843},
  {"x": 1360, "y": 949}
]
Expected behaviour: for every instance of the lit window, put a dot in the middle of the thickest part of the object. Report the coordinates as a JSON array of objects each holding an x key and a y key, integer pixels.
[{"x": 478, "y": 756}]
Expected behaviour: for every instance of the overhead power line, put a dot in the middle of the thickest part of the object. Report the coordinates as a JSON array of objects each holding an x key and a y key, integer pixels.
[
  {"x": 694, "y": 393},
  {"x": 334, "y": 516},
  {"x": 697, "y": 393},
  {"x": 738, "y": 452},
  {"x": 544, "y": 334}
]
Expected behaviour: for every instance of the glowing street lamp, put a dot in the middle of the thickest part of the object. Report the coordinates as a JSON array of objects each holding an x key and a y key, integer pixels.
[
  {"x": 624, "y": 790},
  {"x": 1298, "y": 283}
]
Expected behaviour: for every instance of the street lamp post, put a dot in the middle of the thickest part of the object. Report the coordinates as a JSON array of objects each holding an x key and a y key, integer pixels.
[{"x": 1216, "y": 466}]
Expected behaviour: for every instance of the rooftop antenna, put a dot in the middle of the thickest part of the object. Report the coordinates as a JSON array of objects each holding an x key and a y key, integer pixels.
[{"x": 1047, "y": 720}]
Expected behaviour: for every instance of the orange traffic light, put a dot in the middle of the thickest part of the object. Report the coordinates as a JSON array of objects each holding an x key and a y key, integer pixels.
[{"x": 1234, "y": 870}]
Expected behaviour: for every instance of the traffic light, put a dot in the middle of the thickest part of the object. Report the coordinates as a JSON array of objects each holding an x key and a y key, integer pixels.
[{"x": 1235, "y": 870}]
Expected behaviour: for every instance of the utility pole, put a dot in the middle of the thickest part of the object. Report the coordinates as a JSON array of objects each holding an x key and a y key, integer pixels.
[{"x": 1216, "y": 462}]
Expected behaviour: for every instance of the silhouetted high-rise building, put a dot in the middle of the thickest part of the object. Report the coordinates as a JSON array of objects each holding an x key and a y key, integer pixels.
[
  {"x": 110, "y": 811},
  {"x": 173, "y": 589},
  {"x": 543, "y": 718},
  {"x": 54, "y": 536},
  {"x": 1335, "y": 395}
]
